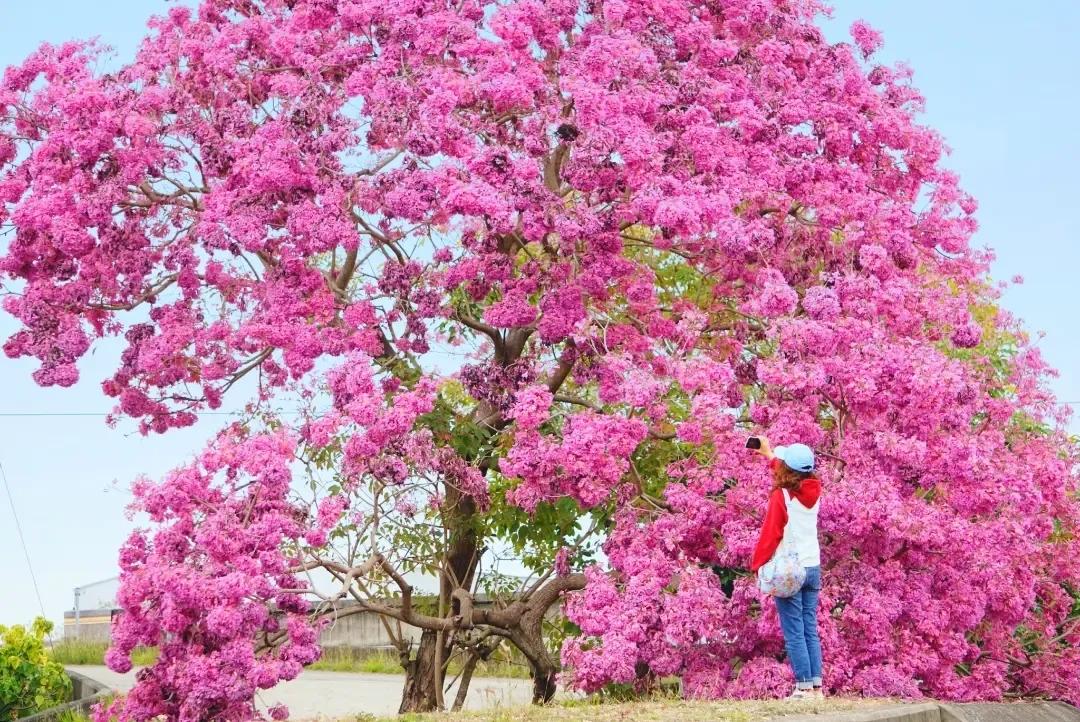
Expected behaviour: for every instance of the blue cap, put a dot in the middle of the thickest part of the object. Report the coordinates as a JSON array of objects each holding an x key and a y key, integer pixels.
[{"x": 797, "y": 456}]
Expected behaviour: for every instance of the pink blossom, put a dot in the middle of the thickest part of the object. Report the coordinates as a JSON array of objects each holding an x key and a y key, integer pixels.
[
  {"x": 514, "y": 310},
  {"x": 530, "y": 255},
  {"x": 868, "y": 39},
  {"x": 775, "y": 297},
  {"x": 531, "y": 407},
  {"x": 821, "y": 303},
  {"x": 875, "y": 259},
  {"x": 967, "y": 336}
]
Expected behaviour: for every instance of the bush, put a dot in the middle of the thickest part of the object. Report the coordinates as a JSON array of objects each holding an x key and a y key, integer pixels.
[{"x": 29, "y": 680}]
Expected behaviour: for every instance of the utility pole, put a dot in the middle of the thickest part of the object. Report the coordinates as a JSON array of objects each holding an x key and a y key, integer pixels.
[{"x": 78, "y": 604}]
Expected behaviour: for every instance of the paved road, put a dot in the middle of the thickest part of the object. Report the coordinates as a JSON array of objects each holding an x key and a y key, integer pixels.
[{"x": 330, "y": 695}]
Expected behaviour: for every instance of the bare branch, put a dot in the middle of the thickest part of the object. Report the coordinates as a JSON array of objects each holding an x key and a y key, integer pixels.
[
  {"x": 579, "y": 402},
  {"x": 562, "y": 371},
  {"x": 390, "y": 158},
  {"x": 481, "y": 327},
  {"x": 465, "y": 602},
  {"x": 248, "y": 366},
  {"x": 145, "y": 296},
  {"x": 553, "y": 167},
  {"x": 348, "y": 268}
]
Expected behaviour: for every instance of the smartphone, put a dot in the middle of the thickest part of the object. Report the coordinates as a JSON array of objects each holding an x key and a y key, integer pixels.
[{"x": 753, "y": 443}]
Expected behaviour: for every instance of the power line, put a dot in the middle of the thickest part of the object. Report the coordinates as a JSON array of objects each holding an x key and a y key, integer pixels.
[
  {"x": 18, "y": 414},
  {"x": 65, "y": 413},
  {"x": 12, "y": 414},
  {"x": 22, "y": 540}
]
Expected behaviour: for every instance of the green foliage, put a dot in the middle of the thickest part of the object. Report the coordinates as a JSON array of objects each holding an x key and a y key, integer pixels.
[
  {"x": 654, "y": 457},
  {"x": 678, "y": 281},
  {"x": 1074, "y": 612},
  {"x": 535, "y": 539},
  {"x": 451, "y": 424},
  {"x": 1025, "y": 425},
  {"x": 995, "y": 356},
  {"x": 995, "y": 359},
  {"x": 30, "y": 681}
]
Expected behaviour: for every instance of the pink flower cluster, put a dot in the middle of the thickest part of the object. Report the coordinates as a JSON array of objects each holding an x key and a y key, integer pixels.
[
  {"x": 212, "y": 583},
  {"x": 587, "y": 461},
  {"x": 644, "y": 229}
]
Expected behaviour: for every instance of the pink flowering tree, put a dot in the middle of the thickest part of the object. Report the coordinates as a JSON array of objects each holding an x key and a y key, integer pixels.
[{"x": 532, "y": 270}]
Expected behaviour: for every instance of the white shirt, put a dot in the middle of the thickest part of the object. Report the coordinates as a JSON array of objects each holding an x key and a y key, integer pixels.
[{"x": 801, "y": 530}]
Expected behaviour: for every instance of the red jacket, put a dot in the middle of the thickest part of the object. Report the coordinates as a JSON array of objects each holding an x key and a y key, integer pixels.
[{"x": 772, "y": 529}]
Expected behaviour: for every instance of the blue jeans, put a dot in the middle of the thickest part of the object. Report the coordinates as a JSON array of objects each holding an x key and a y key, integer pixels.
[{"x": 798, "y": 619}]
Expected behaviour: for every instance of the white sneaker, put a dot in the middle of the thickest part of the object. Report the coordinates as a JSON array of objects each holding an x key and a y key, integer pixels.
[
  {"x": 817, "y": 693},
  {"x": 801, "y": 695}
]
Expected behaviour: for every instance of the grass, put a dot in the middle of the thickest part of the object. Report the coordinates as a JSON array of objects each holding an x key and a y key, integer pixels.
[
  {"x": 334, "y": 659},
  {"x": 352, "y": 659},
  {"x": 71, "y": 717},
  {"x": 82, "y": 651},
  {"x": 664, "y": 710}
]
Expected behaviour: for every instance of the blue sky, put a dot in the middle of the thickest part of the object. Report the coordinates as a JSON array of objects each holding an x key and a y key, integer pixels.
[{"x": 1000, "y": 82}]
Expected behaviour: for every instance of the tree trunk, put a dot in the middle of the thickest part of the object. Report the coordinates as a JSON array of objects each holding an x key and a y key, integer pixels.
[
  {"x": 543, "y": 677},
  {"x": 542, "y": 668},
  {"x": 460, "y": 565},
  {"x": 464, "y": 681},
  {"x": 528, "y": 636},
  {"x": 424, "y": 675},
  {"x": 419, "y": 693}
]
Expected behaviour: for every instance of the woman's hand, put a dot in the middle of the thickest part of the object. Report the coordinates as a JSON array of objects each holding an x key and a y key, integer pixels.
[{"x": 765, "y": 449}]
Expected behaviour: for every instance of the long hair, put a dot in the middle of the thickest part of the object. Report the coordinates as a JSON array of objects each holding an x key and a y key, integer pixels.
[{"x": 784, "y": 477}]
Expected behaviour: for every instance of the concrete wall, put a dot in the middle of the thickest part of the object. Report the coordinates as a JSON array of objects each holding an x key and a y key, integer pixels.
[
  {"x": 364, "y": 630},
  {"x": 94, "y": 624},
  {"x": 940, "y": 712}
]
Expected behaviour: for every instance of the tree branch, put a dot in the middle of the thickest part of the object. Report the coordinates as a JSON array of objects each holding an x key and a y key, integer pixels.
[
  {"x": 481, "y": 327},
  {"x": 145, "y": 296},
  {"x": 563, "y": 398},
  {"x": 562, "y": 371}
]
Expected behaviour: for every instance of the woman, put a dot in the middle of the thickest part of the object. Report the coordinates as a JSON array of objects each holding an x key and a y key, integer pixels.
[{"x": 792, "y": 513}]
